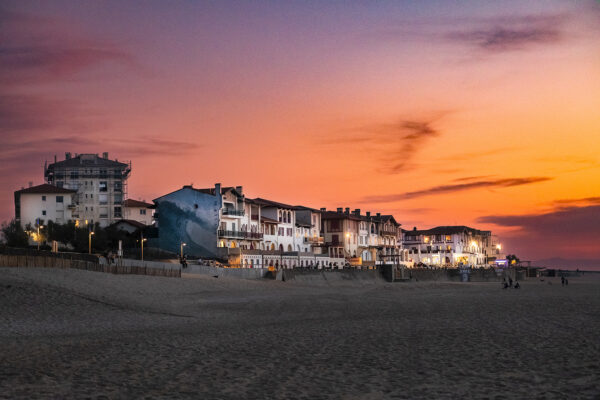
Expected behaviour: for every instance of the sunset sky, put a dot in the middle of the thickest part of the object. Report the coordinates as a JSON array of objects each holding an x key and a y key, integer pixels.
[{"x": 484, "y": 114}]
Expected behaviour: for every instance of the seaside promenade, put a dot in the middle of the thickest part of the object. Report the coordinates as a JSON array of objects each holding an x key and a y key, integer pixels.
[{"x": 75, "y": 333}]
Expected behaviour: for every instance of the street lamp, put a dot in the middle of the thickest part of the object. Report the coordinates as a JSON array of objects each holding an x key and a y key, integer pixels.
[
  {"x": 181, "y": 249},
  {"x": 39, "y": 238},
  {"x": 142, "y": 240},
  {"x": 90, "y": 241}
]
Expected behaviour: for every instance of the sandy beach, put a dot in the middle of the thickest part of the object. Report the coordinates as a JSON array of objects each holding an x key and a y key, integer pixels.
[{"x": 77, "y": 334}]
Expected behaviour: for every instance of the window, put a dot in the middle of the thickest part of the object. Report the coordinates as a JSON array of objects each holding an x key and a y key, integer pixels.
[
  {"x": 117, "y": 212},
  {"x": 142, "y": 211},
  {"x": 43, "y": 212},
  {"x": 59, "y": 184},
  {"x": 103, "y": 198},
  {"x": 103, "y": 212},
  {"x": 59, "y": 199},
  {"x": 102, "y": 187},
  {"x": 43, "y": 198},
  {"x": 118, "y": 186},
  {"x": 118, "y": 198}
]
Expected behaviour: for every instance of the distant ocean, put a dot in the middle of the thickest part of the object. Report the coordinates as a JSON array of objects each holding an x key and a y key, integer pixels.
[{"x": 571, "y": 265}]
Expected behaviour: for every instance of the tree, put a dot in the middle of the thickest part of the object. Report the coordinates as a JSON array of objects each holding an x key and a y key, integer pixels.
[{"x": 14, "y": 235}]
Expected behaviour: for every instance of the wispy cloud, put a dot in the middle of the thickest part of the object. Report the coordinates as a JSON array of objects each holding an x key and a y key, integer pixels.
[
  {"x": 577, "y": 202},
  {"x": 571, "y": 231},
  {"x": 394, "y": 144},
  {"x": 505, "y": 34},
  {"x": 36, "y": 50},
  {"x": 471, "y": 178},
  {"x": 444, "y": 189}
]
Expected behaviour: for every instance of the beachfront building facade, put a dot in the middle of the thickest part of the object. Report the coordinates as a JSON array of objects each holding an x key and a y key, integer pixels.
[
  {"x": 308, "y": 230},
  {"x": 100, "y": 185},
  {"x": 363, "y": 239},
  {"x": 278, "y": 220},
  {"x": 340, "y": 232},
  {"x": 42, "y": 203},
  {"x": 137, "y": 210},
  {"x": 188, "y": 220},
  {"x": 447, "y": 246}
]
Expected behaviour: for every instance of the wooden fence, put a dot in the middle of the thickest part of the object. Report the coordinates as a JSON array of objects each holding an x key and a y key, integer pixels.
[{"x": 29, "y": 261}]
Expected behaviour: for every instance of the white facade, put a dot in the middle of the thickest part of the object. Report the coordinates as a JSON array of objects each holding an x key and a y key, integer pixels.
[
  {"x": 447, "y": 246},
  {"x": 139, "y": 211},
  {"x": 43, "y": 203}
]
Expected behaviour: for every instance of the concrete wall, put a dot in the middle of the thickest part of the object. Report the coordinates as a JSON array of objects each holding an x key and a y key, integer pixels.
[
  {"x": 331, "y": 277},
  {"x": 393, "y": 273},
  {"x": 191, "y": 217},
  {"x": 240, "y": 273}
]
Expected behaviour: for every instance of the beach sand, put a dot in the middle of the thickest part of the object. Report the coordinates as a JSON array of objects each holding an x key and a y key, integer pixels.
[{"x": 76, "y": 334}]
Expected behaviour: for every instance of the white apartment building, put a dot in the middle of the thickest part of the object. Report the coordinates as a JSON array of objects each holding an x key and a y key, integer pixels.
[
  {"x": 43, "y": 203},
  {"x": 308, "y": 230},
  {"x": 278, "y": 223},
  {"x": 450, "y": 246},
  {"x": 100, "y": 183},
  {"x": 140, "y": 211}
]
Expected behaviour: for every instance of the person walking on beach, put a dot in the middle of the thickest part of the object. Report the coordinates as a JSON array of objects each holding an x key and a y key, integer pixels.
[
  {"x": 562, "y": 280},
  {"x": 510, "y": 281}
]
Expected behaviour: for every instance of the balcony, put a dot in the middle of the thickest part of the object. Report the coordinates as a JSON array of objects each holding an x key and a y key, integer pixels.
[
  {"x": 71, "y": 206},
  {"x": 233, "y": 213},
  {"x": 388, "y": 233},
  {"x": 314, "y": 240},
  {"x": 240, "y": 235}
]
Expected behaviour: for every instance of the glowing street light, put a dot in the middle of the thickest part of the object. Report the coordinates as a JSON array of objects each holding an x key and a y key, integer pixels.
[
  {"x": 39, "y": 238},
  {"x": 90, "y": 241},
  {"x": 181, "y": 248},
  {"x": 142, "y": 240}
]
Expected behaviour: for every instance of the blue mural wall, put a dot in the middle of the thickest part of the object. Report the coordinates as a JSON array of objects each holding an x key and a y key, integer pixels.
[{"x": 191, "y": 217}]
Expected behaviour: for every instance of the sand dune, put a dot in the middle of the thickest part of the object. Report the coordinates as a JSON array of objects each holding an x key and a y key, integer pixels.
[{"x": 70, "y": 333}]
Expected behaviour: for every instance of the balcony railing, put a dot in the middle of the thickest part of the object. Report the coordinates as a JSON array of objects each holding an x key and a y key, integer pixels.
[
  {"x": 240, "y": 234},
  {"x": 389, "y": 232},
  {"x": 314, "y": 240},
  {"x": 236, "y": 213}
]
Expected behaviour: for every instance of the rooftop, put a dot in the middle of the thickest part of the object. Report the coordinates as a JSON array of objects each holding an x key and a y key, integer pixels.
[
  {"x": 136, "y": 203},
  {"x": 86, "y": 160},
  {"x": 44, "y": 189},
  {"x": 447, "y": 230}
]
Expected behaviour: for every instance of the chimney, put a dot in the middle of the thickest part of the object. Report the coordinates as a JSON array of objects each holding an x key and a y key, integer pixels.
[
  {"x": 105, "y": 155},
  {"x": 368, "y": 214},
  {"x": 348, "y": 210},
  {"x": 30, "y": 183},
  {"x": 378, "y": 215},
  {"x": 340, "y": 209},
  {"x": 323, "y": 209},
  {"x": 67, "y": 156},
  {"x": 357, "y": 212},
  {"x": 239, "y": 189},
  {"x": 217, "y": 189},
  {"x": 55, "y": 159},
  {"x": 415, "y": 228}
]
